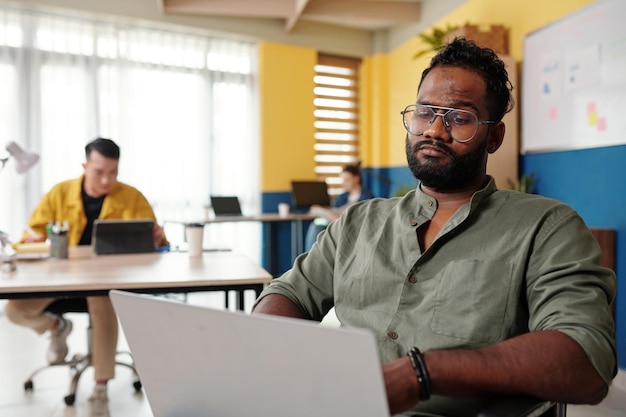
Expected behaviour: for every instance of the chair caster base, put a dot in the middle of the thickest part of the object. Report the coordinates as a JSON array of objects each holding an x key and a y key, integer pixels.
[{"x": 69, "y": 399}]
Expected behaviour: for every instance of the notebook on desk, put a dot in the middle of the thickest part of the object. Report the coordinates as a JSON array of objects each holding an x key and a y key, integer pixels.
[
  {"x": 196, "y": 361},
  {"x": 308, "y": 193},
  {"x": 116, "y": 236},
  {"x": 226, "y": 206}
]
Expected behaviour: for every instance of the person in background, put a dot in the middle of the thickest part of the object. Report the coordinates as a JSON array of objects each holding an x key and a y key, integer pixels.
[
  {"x": 96, "y": 194},
  {"x": 471, "y": 292},
  {"x": 353, "y": 191}
]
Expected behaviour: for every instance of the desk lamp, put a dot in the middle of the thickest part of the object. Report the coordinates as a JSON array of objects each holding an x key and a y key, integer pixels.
[
  {"x": 7, "y": 258},
  {"x": 23, "y": 160}
]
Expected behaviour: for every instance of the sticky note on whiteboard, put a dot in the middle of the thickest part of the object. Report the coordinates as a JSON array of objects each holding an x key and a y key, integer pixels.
[
  {"x": 591, "y": 107},
  {"x": 553, "y": 113}
]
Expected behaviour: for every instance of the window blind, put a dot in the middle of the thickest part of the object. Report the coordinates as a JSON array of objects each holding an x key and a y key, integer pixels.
[{"x": 336, "y": 117}]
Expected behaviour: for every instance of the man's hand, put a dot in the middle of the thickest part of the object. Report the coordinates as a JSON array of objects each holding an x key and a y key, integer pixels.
[
  {"x": 318, "y": 210},
  {"x": 34, "y": 238},
  {"x": 157, "y": 235},
  {"x": 401, "y": 385}
]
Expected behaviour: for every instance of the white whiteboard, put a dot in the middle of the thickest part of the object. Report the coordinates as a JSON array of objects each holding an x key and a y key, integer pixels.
[{"x": 574, "y": 81}]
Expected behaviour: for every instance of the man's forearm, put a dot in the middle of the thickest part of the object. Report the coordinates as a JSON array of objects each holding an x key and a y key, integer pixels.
[
  {"x": 546, "y": 364},
  {"x": 278, "y": 305}
]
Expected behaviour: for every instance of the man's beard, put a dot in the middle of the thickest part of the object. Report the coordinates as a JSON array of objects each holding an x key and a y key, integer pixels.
[{"x": 457, "y": 174}]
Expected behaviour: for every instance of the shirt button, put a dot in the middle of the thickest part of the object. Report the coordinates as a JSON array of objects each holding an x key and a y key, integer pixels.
[
  {"x": 412, "y": 279},
  {"x": 430, "y": 203},
  {"x": 413, "y": 222},
  {"x": 393, "y": 335}
]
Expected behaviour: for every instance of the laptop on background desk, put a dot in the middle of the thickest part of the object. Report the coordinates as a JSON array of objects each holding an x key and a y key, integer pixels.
[
  {"x": 307, "y": 193},
  {"x": 118, "y": 236},
  {"x": 226, "y": 206},
  {"x": 196, "y": 361}
]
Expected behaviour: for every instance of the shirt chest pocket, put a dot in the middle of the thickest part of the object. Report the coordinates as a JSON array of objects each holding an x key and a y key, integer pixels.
[{"x": 472, "y": 300}]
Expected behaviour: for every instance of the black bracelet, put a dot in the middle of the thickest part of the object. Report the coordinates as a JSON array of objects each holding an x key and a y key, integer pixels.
[{"x": 417, "y": 360}]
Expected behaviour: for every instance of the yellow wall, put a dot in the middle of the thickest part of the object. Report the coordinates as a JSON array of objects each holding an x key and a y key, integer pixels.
[
  {"x": 388, "y": 83},
  {"x": 286, "y": 114},
  {"x": 373, "y": 105}
]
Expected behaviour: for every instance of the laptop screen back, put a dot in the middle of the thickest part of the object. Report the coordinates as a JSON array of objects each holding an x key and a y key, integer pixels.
[
  {"x": 307, "y": 193},
  {"x": 196, "y": 361},
  {"x": 116, "y": 236},
  {"x": 226, "y": 206}
]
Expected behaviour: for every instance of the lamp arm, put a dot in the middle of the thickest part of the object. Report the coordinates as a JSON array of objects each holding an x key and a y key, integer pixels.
[{"x": 4, "y": 239}]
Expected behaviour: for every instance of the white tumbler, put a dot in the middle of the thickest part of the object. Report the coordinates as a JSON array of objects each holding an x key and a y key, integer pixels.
[{"x": 194, "y": 235}]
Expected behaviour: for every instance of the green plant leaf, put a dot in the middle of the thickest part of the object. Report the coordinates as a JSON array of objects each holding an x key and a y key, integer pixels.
[
  {"x": 523, "y": 185},
  {"x": 434, "y": 40}
]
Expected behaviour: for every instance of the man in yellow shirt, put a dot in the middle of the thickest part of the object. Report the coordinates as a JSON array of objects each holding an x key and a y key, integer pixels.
[{"x": 94, "y": 195}]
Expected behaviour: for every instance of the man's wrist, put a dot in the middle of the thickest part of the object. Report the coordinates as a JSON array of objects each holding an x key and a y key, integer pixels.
[{"x": 421, "y": 373}]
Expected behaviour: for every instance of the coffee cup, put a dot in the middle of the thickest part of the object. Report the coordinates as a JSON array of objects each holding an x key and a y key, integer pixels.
[
  {"x": 283, "y": 209},
  {"x": 194, "y": 234}
]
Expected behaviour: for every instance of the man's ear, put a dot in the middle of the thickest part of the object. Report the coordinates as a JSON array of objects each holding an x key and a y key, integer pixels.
[{"x": 496, "y": 136}]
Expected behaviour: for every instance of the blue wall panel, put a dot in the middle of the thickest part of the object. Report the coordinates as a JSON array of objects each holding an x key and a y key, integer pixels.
[
  {"x": 385, "y": 182},
  {"x": 277, "y": 258}
]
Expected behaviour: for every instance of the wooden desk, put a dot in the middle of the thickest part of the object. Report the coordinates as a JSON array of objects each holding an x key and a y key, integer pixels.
[
  {"x": 297, "y": 231},
  {"x": 149, "y": 273}
]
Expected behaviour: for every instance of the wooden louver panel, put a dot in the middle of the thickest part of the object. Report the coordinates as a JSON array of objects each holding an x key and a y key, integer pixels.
[{"x": 336, "y": 118}]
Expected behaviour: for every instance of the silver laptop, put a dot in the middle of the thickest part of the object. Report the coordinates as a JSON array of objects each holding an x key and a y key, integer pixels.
[{"x": 194, "y": 361}]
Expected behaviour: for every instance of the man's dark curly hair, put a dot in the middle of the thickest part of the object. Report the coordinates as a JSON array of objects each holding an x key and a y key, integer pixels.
[{"x": 466, "y": 54}]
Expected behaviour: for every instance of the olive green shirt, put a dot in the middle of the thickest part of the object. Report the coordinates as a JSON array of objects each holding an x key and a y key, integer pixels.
[{"x": 504, "y": 264}]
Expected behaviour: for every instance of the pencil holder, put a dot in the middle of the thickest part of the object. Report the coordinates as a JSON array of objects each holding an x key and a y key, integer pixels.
[{"x": 58, "y": 246}]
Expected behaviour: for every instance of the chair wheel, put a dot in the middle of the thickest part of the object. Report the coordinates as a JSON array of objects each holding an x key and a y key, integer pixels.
[
  {"x": 137, "y": 385},
  {"x": 28, "y": 385},
  {"x": 69, "y": 399}
]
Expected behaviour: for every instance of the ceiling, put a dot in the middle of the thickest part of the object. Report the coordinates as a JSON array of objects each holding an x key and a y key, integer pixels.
[
  {"x": 369, "y": 15},
  {"x": 343, "y": 27}
]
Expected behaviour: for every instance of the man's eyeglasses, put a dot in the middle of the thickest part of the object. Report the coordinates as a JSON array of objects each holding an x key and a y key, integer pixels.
[{"x": 462, "y": 125}]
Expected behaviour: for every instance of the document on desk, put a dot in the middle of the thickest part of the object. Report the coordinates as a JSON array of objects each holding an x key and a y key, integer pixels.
[{"x": 36, "y": 250}]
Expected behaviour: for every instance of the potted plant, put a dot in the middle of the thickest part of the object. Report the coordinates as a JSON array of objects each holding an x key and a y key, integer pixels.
[
  {"x": 524, "y": 184},
  {"x": 434, "y": 40}
]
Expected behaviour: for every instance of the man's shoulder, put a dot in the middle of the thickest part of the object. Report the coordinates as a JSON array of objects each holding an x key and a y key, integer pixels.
[
  {"x": 527, "y": 199},
  {"x": 528, "y": 208},
  {"x": 64, "y": 186},
  {"x": 124, "y": 188},
  {"x": 374, "y": 206}
]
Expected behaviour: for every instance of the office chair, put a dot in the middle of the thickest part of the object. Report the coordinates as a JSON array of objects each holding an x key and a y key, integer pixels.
[
  {"x": 522, "y": 407},
  {"x": 77, "y": 363}
]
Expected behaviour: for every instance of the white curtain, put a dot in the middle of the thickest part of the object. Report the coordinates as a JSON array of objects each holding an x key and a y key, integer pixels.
[{"x": 182, "y": 107}]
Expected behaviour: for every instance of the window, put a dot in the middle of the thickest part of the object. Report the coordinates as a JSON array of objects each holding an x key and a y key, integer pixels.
[
  {"x": 173, "y": 101},
  {"x": 336, "y": 118}
]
